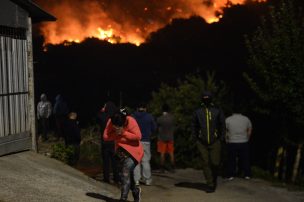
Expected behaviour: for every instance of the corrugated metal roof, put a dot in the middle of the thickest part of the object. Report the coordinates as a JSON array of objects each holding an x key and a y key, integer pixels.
[{"x": 36, "y": 13}]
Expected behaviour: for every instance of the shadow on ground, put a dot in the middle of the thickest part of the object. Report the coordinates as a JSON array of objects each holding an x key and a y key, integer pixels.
[
  {"x": 192, "y": 185},
  {"x": 99, "y": 196}
]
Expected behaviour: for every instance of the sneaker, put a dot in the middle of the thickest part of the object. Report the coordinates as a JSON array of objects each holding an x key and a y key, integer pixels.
[
  {"x": 230, "y": 178},
  {"x": 210, "y": 189},
  {"x": 247, "y": 178},
  {"x": 148, "y": 182},
  {"x": 137, "y": 195}
]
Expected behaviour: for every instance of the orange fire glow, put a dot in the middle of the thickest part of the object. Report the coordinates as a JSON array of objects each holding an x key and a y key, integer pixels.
[{"x": 119, "y": 21}]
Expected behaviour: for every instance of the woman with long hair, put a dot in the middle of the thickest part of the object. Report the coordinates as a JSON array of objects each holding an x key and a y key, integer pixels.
[{"x": 124, "y": 131}]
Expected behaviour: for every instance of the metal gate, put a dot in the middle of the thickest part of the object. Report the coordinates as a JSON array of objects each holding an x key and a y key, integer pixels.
[{"x": 14, "y": 92}]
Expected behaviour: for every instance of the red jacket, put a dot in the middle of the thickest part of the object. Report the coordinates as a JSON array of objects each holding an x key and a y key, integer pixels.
[{"x": 129, "y": 139}]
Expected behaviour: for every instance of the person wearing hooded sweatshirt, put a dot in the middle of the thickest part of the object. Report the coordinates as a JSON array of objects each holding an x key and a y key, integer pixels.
[
  {"x": 107, "y": 147},
  {"x": 147, "y": 126},
  {"x": 208, "y": 127},
  {"x": 44, "y": 111},
  {"x": 125, "y": 132},
  {"x": 60, "y": 112}
]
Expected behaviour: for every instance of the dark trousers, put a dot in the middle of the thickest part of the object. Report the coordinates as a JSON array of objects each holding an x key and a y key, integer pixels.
[
  {"x": 238, "y": 155},
  {"x": 211, "y": 157},
  {"x": 44, "y": 127},
  {"x": 108, "y": 151},
  {"x": 60, "y": 126},
  {"x": 127, "y": 166}
]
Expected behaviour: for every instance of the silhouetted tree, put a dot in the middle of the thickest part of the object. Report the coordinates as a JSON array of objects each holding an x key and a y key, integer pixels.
[{"x": 277, "y": 57}]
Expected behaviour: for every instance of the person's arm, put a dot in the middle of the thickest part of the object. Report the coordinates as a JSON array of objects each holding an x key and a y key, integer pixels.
[
  {"x": 49, "y": 109},
  {"x": 222, "y": 125},
  {"x": 227, "y": 130},
  {"x": 109, "y": 133},
  {"x": 153, "y": 123},
  {"x": 249, "y": 129},
  {"x": 132, "y": 131}
]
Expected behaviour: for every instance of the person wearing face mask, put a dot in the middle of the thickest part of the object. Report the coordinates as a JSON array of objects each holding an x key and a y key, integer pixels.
[{"x": 208, "y": 128}]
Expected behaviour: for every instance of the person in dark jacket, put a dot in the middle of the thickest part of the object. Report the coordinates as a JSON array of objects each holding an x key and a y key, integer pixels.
[
  {"x": 60, "y": 112},
  {"x": 107, "y": 147},
  {"x": 209, "y": 128},
  {"x": 147, "y": 125},
  {"x": 72, "y": 136}
]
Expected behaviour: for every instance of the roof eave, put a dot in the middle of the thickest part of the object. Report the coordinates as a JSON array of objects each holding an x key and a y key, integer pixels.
[{"x": 36, "y": 13}]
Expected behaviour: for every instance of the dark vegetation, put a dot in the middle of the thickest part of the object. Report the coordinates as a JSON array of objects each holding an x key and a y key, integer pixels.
[{"x": 180, "y": 60}]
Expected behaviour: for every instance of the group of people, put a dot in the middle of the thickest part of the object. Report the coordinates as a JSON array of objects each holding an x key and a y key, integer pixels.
[
  {"x": 126, "y": 140},
  {"x": 65, "y": 121},
  {"x": 126, "y": 145},
  {"x": 130, "y": 145}
]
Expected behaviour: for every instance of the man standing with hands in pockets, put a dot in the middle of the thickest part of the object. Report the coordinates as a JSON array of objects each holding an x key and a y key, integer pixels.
[{"x": 208, "y": 126}]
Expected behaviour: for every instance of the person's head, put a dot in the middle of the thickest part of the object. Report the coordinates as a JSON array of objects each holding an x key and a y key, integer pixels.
[
  {"x": 165, "y": 108},
  {"x": 119, "y": 118},
  {"x": 142, "y": 107},
  {"x": 207, "y": 97},
  {"x": 59, "y": 97},
  {"x": 72, "y": 115},
  {"x": 43, "y": 97},
  {"x": 110, "y": 108}
]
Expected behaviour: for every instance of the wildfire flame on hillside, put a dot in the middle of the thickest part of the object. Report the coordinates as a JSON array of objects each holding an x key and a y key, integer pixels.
[{"x": 124, "y": 21}]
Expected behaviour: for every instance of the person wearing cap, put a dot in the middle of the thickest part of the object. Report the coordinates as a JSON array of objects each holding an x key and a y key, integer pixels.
[
  {"x": 208, "y": 127},
  {"x": 44, "y": 112},
  {"x": 125, "y": 132},
  {"x": 147, "y": 125}
]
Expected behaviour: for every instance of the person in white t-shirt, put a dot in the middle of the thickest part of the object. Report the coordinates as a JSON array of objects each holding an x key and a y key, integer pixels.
[{"x": 238, "y": 134}]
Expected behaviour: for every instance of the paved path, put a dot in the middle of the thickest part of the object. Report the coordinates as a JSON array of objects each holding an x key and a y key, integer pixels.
[
  {"x": 187, "y": 186},
  {"x": 28, "y": 176},
  {"x": 31, "y": 177}
]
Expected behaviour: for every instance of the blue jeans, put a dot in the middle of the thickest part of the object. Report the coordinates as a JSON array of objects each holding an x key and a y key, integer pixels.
[
  {"x": 143, "y": 170},
  {"x": 127, "y": 166}
]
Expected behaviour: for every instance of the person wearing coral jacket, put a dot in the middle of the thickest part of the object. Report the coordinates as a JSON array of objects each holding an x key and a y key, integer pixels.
[{"x": 124, "y": 131}]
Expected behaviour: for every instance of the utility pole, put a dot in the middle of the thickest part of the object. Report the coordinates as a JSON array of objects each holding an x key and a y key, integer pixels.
[{"x": 32, "y": 117}]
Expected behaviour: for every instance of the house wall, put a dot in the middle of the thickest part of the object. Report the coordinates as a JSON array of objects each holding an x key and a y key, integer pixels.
[
  {"x": 12, "y": 15},
  {"x": 14, "y": 78}
]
